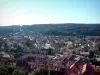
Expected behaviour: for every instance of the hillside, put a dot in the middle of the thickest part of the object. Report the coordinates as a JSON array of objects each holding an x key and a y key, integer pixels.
[{"x": 52, "y": 29}]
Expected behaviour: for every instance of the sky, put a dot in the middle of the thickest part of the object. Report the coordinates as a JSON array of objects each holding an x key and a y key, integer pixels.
[{"x": 27, "y": 12}]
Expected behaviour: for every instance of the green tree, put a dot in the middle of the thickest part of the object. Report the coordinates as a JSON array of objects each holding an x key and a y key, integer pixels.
[
  {"x": 18, "y": 72},
  {"x": 40, "y": 71},
  {"x": 4, "y": 71},
  {"x": 2, "y": 47},
  {"x": 10, "y": 69}
]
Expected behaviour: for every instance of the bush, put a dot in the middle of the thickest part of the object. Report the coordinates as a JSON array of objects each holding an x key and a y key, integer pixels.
[
  {"x": 40, "y": 71},
  {"x": 4, "y": 71},
  {"x": 18, "y": 72}
]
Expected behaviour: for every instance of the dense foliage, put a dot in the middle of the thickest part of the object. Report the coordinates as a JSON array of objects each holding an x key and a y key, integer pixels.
[
  {"x": 40, "y": 71},
  {"x": 53, "y": 29},
  {"x": 5, "y": 70},
  {"x": 18, "y": 72}
]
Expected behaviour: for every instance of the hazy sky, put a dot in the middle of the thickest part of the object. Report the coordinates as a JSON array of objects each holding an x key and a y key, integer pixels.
[{"x": 14, "y": 12}]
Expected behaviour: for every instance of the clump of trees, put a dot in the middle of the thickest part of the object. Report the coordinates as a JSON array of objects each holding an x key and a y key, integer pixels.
[
  {"x": 94, "y": 61},
  {"x": 5, "y": 70},
  {"x": 40, "y": 71},
  {"x": 18, "y": 72}
]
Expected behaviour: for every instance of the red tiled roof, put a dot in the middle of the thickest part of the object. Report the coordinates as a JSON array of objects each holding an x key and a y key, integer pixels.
[
  {"x": 84, "y": 53},
  {"x": 96, "y": 69},
  {"x": 91, "y": 73}
]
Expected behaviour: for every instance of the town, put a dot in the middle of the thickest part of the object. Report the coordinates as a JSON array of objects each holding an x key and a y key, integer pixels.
[
  {"x": 59, "y": 55},
  {"x": 49, "y": 37}
]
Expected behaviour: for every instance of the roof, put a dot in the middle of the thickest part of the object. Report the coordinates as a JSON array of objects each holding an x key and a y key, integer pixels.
[
  {"x": 96, "y": 68},
  {"x": 84, "y": 53},
  {"x": 4, "y": 54},
  {"x": 33, "y": 55}
]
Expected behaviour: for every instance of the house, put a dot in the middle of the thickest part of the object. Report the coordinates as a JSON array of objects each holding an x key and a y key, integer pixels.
[
  {"x": 6, "y": 59},
  {"x": 33, "y": 61},
  {"x": 75, "y": 66},
  {"x": 4, "y": 55},
  {"x": 79, "y": 68},
  {"x": 96, "y": 71}
]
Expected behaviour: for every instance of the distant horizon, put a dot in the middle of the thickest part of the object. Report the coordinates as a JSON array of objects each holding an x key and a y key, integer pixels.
[{"x": 48, "y": 24}]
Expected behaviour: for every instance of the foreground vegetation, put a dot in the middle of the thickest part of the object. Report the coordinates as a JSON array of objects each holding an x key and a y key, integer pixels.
[{"x": 4, "y": 70}]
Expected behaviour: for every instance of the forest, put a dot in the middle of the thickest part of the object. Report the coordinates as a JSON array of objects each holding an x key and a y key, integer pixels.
[{"x": 66, "y": 29}]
